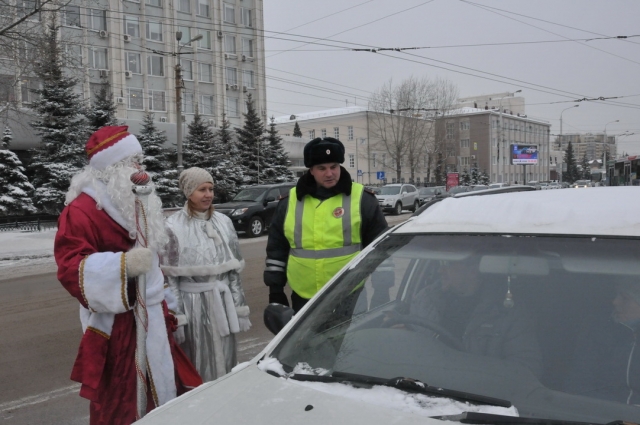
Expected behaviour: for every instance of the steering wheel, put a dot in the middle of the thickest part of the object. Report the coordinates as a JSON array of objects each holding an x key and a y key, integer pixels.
[{"x": 441, "y": 333}]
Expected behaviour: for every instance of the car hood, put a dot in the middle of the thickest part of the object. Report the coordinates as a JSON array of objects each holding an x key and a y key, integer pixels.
[
  {"x": 385, "y": 197},
  {"x": 236, "y": 205},
  {"x": 251, "y": 396}
]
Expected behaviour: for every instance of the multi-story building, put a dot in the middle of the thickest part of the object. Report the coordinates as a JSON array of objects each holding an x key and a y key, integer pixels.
[
  {"x": 133, "y": 45},
  {"x": 589, "y": 144},
  {"x": 468, "y": 137}
]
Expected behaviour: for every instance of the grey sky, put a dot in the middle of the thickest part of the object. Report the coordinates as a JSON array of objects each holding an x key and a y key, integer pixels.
[{"x": 482, "y": 46}]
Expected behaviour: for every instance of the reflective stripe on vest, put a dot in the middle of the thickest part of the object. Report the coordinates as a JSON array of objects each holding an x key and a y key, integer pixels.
[{"x": 323, "y": 235}]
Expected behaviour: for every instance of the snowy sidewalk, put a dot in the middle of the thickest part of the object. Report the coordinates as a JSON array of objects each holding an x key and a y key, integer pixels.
[{"x": 26, "y": 253}]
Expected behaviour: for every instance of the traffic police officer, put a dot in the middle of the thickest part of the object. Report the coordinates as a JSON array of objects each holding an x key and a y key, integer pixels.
[{"x": 324, "y": 222}]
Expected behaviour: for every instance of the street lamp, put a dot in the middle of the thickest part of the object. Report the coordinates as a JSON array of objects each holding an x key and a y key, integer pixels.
[
  {"x": 179, "y": 96},
  {"x": 500, "y": 131},
  {"x": 574, "y": 106},
  {"x": 605, "y": 147}
]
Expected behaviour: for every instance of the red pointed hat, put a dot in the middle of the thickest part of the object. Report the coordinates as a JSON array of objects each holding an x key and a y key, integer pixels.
[{"x": 111, "y": 144}]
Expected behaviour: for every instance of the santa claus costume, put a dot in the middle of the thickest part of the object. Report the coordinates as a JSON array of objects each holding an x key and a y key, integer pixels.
[{"x": 97, "y": 264}]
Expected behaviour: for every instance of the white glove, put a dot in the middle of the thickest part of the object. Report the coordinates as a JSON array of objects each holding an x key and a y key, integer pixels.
[
  {"x": 138, "y": 261},
  {"x": 178, "y": 335}
]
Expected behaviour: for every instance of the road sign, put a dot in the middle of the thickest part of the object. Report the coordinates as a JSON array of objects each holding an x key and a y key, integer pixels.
[
  {"x": 359, "y": 172},
  {"x": 380, "y": 175}
]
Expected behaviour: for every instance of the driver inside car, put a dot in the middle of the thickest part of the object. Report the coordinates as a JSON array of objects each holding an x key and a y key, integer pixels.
[{"x": 478, "y": 314}]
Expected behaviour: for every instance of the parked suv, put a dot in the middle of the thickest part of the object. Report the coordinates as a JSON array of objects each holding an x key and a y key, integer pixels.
[
  {"x": 252, "y": 208},
  {"x": 426, "y": 194},
  {"x": 397, "y": 197}
]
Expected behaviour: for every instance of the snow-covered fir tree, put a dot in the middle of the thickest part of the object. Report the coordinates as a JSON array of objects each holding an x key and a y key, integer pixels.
[
  {"x": 228, "y": 174},
  {"x": 62, "y": 128},
  {"x": 572, "y": 174},
  {"x": 465, "y": 178},
  {"x": 475, "y": 175},
  {"x": 103, "y": 110},
  {"x": 483, "y": 178},
  {"x": 586, "y": 168},
  {"x": 251, "y": 143},
  {"x": 15, "y": 189},
  {"x": 276, "y": 159},
  {"x": 198, "y": 149},
  {"x": 157, "y": 163},
  {"x": 296, "y": 130}
]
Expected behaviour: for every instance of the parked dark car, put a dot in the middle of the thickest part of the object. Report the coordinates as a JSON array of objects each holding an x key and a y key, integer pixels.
[
  {"x": 426, "y": 194},
  {"x": 252, "y": 208}
]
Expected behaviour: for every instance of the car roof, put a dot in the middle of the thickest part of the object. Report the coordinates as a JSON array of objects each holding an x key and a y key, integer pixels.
[
  {"x": 268, "y": 186},
  {"x": 603, "y": 211}
]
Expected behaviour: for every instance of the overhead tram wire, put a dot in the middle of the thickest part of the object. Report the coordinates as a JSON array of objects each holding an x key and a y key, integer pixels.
[{"x": 551, "y": 32}]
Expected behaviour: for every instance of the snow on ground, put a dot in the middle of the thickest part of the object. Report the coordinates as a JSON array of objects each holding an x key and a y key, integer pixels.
[{"x": 26, "y": 253}]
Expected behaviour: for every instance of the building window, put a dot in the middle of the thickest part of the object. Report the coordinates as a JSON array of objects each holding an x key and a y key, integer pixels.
[
  {"x": 206, "y": 104},
  {"x": 229, "y": 14},
  {"x": 97, "y": 19},
  {"x": 464, "y": 143},
  {"x": 384, "y": 160},
  {"x": 247, "y": 79},
  {"x": 206, "y": 74},
  {"x": 464, "y": 125},
  {"x": 352, "y": 160},
  {"x": 157, "y": 3},
  {"x": 187, "y": 69},
  {"x": 135, "y": 99},
  {"x": 154, "y": 31},
  {"x": 157, "y": 100},
  {"x": 247, "y": 47},
  {"x": 28, "y": 96},
  {"x": 73, "y": 55},
  {"x": 98, "y": 58},
  {"x": 184, "y": 6},
  {"x": 323, "y": 132},
  {"x": 71, "y": 16},
  {"x": 232, "y": 76},
  {"x": 336, "y": 132},
  {"x": 245, "y": 16},
  {"x": 312, "y": 134},
  {"x": 451, "y": 153},
  {"x": 464, "y": 160},
  {"x": 25, "y": 7},
  {"x": 131, "y": 26},
  {"x": 187, "y": 103},
  {"x": 374, "y": 163},
  {"x": 232, "y": 107},
  {"x": 350, "y": 132},
  {"x": 450, "y": 130},
  {"x": 203, "y": 8},
  {"x": 155, "y": 65},
  {"x": 132, "y": 62},
  {"x": 230, "y": 44},
  {"x": 186, "y": 36},
  {"x": 205, "y": 41}
]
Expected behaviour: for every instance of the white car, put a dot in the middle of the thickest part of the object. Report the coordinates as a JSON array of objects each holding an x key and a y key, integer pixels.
[
  {"x": 522, "y": 345},
  {"x": 396, "y": 197}
]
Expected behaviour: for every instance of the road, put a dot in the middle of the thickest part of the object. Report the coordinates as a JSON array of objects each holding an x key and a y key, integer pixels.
[{"x": 40, "y": 333}]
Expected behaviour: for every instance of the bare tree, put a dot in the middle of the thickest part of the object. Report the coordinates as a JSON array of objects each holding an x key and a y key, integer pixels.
[{"x": 402, "y": 121}]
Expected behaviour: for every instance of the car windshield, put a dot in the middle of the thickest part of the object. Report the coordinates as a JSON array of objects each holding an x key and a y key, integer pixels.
[
  {"x": 519, "y": 318},
  {"x": 389, "y": 190},
  {"x": 251, "y": 194},
  {"x": 427, "y": 191},
  {"x": 458, "y": 189},
  {"x": 582, "y": 182}
]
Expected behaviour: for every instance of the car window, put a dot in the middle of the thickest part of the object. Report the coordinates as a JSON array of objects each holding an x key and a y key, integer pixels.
[
  {"x": 411, "y": 188},
  {"x": 275, "y": 193},
  {"x": 511, "y": 318},
  {"x": 389, "y": 190},
  {"x": 250, "y": 194},
  {"x": 427, "y": 191}
]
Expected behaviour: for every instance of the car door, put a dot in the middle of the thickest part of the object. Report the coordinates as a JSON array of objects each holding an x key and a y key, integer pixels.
[{"x": 270, "y": 203}]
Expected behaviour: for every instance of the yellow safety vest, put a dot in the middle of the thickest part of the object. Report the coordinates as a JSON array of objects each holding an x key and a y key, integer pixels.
[{"x": 323, "y": 236}]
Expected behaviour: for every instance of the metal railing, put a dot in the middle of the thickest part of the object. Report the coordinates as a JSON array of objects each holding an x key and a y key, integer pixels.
[{"x": 28, "y": 224}]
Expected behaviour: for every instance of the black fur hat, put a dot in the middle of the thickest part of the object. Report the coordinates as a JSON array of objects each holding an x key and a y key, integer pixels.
[{"x": 322, "y": 151}]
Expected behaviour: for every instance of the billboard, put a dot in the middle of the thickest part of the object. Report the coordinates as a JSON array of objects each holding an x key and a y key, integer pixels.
[
  {"x": 524, "y": 154},
  {"x": 453, "y": 180}
]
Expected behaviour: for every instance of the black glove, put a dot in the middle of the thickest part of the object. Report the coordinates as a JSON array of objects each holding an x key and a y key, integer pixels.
[{"x": 279, "y": 298}]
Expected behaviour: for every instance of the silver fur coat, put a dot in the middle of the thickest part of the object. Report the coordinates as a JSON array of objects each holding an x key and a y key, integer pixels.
[{"x": 202, "y": 266}]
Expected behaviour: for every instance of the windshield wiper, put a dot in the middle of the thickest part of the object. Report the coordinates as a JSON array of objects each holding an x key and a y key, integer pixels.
[
  {"x": 404, "y": 384},
  {"x": 493, "y": 419}
]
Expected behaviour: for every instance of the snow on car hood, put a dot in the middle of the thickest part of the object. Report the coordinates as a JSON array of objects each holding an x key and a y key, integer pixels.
[{"x": 251, "y": 395}]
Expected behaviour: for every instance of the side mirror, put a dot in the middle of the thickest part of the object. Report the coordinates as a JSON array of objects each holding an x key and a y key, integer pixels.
[{"x": 276, "y": 316}]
